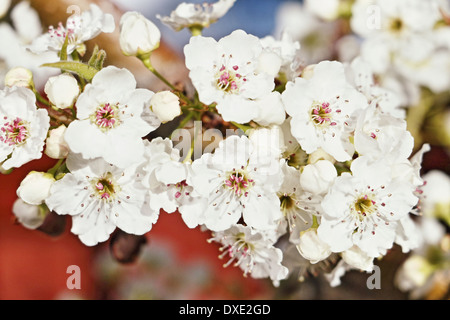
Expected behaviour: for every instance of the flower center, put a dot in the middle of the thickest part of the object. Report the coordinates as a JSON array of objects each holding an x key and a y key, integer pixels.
[
  {"x": 237, "y": 252},
  {"x": 239, "y": 183},
  {"x": 287, "y": 202},
  {"x": 321, "y": 114},
  {"x": 106, "y": 116},
  {"x": 180, "y": 187},
  {"x": 14, "y": 133},
  {"x": 396, "y": 25},
  {"x": 229, "y": 80},
  {"x": 105, "y": 187},
  {"x": 364, "y": 206}
]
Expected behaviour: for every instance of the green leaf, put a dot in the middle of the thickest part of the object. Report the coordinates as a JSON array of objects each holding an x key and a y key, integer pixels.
[{"x": 83, "y": 70}]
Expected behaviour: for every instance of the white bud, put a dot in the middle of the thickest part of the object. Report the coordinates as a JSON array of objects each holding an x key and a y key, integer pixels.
[
  {"x": 19, "y": 77},
  {"x": 62, "y": 90},
  {"x": 4, "y": 7},
  {"x": 358, "y": 259},
  {"x": 35, "y": 188},
  {"x": 317, "y": 178},
  {"x": 311, "y": 247},
  {"x": 30, "y": 216},
  {"x": 166, "y": 106},
  {"x": 138, "y": 35},
  {"x": 56, "y": 145}
]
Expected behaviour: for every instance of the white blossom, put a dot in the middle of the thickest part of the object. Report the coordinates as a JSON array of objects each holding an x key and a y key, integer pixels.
[
  {"x": 169, "y": 183},
  {"x": 101, "y": 197},
  {"x": 225, "y": 72},
  {"x": 110, "y": 119},
  {"x": 323, "y": 110},
  {"x": 190, "y": 15},
  {"x": 79, "y": 28},
  {"x": 252, "y": 251},
  {"x": 363, "y": 208},
  {"x": 238, "y": 184},
  {"x": 23, "y": 128}
]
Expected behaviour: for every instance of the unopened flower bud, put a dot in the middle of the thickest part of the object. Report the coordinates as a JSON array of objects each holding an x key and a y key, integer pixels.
[
  {"x": 30, "y": 216},
  {"x": 166, "y": 106},
  {"x": 138, "y": 35},
  {"x": 19, "y": 77},
  {"x": 56, "y": 145},
  {"x": 311, "y": 247},
  {"x": 317, "y": 178},
  {"x": 35, "y": 188},
  {"x": 62, "y": 90}
]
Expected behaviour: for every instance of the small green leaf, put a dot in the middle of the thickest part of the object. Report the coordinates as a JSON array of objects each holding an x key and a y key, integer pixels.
[{"x": 83, "y": 70}]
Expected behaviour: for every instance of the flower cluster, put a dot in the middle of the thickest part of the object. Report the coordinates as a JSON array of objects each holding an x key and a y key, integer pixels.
[{"x": 317, "y": 159}]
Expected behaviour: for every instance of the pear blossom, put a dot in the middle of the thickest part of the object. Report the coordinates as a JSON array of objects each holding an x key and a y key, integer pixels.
[
  {"x": 190, "y": 15},
  {"x": 296, "y": 204},
  {"x": 62, "y": 90},
  {"x": 169, "y": 182},
  {"x": 323, "y": 110},
  {"x": 225, "y": 72},
  {"x": 252, "y": 251},
  {"x": 404, "y": 37},
  {"x": 138, "y": 35},
  {"x": 378, "y": 134},
  {"x": 101, "y": 197},
  {"x": 237, "y": 183},
  {"x": 23, "y": 128},
  {"x": 79, "y": 28},
  {"x": 35, "y": 188},
  {"x": 360, "y": 74},
  {"x": 363, "y": 208},
  {"x": 110, "y": 119}
]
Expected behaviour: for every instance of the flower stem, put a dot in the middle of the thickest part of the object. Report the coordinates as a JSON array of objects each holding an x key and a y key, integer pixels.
[{"x": 150, "y": 67}]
